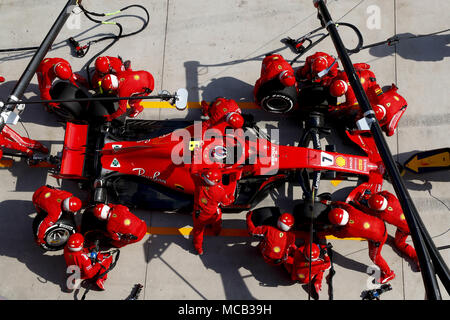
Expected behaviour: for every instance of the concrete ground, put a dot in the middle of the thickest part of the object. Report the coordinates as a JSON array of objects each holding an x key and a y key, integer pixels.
[{"x": 215, "y": 48}]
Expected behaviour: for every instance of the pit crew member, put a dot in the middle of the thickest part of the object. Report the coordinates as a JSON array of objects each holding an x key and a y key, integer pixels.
[
  {"x": 52, "y": 202},
  {"x": 91, "y": 264},
  {"x": 122, "y": 226},
  {"x": 276, "y": 242}
]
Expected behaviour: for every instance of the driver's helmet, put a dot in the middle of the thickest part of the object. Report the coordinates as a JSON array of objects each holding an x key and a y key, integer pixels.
[
  {"x": 338, "y": 88},
  {"x": 110, "y": 82},
  {"x": 338, "y": 216},
  {"x": 235, "y": 120},
  {"x": 377, "y": 202},
  {"x": 75, "y": 242},
  {"x": 285, "y": 221},
  {"x": 71, "y": 204},
  {"x": 287, "y": 78},
  {"x": 102, "y": 65},
  {"x": 314, "y": 251},
  {"x": 63, "y": 70},
  {"x": 212, "y": 176},
  {"x": 101, "y": 211}
]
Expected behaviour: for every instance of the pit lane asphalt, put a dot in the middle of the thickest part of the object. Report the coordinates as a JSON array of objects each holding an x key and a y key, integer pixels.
[{"x": 215, "y": 49}]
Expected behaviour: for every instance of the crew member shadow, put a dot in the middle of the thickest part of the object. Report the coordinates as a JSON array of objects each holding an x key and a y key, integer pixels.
[
  {"x": 429, "y": 48},
  {"x": 18, "y": 243}
]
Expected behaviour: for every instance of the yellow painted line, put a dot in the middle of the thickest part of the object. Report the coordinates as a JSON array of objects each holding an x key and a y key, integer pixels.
[
  {"x": 190, "y": 105},
  {"x": 186, "y": 231}
]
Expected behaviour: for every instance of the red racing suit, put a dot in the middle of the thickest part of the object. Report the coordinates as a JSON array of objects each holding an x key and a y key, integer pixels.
[
  {"x": 368, "y": 82},
  {"x": 305, "y": 72},
  {"x": 298, "y": 268},
  {"x": 88, "y": 268},
  {"x": 116, "y": 68},
  {"x": 393, "y": 214},
  {"x": 46, "y": 76},
  {"x": 362, "y": 225},
  {"x": 272, "y": 66},
  {"x": 276, "y": 245},
  {"x": 10, "y": 139},
  {"x": 218, "y": 111},
  {"x": 207, "y": 211},
  {"x": 124, "y": 227},
  {"x": 139, "y": 83},
  {"x": 48, "y": 200}
]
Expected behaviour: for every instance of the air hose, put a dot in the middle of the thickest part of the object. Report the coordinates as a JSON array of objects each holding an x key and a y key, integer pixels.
[{"x": 90, "y": 15}]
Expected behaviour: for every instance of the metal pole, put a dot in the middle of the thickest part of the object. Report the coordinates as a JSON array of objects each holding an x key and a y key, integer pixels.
[
  {"x": 411, "y": 215},
  {"x": 40, "y": 54}
]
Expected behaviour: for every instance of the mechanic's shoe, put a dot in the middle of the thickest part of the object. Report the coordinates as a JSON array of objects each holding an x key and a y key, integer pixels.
[
  {"x": 386, "y": 277},
  {"x": 100, "y": 284},
  {"x": 127, "y": 64}
]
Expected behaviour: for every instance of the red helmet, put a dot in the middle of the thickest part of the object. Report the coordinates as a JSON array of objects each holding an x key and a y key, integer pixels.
[
  {"x": 338, "y": 216},
  {"x": 63, "y": 70},
  {"x": 285, "y": 221},
  {"x": 311, "y": 250},
  {"x": 235, "y": 120},
  {"x": 212, "y": 176},
  {"x": 319, "y": 64},
  {"x": 75, "y": 242},
  {"x": 101, "y": 211},
  {"x": 380, "y": 111},
  {"x": 110, "y": 82},
  {"x": 287, "y": 78},
  {"x": 2, "y": 79},
  {"x": 377, "y": 202},
  {"x": 338, "y": 88},
  {"x": 102, "y": 65},
  {"x": 72, "y": 204}
]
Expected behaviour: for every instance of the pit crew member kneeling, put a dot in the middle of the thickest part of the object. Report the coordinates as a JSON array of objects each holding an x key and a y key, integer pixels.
[
  {"x": 92, "y": 265},
  {"x": 126, "y": 84},
  {"x": 297, "y": 265},
  {"x": 276, "y": 243},
  {"x": 122, "y": 226},
  {"x": 52, "y": 202}
]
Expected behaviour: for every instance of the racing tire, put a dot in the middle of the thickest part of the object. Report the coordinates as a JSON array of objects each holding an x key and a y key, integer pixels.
[
  {"x": 276, "y": 98},
  {"x": 266, "y": 216},
  {"x": 315, "y": 97},
  {"x": 57, "y": 235},
  {"x": 68, "y": 111},
  {"x": 97, "y": 110}
]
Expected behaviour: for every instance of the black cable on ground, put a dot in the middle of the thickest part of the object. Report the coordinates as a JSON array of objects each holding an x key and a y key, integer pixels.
[{"x": 116, "y": 38}]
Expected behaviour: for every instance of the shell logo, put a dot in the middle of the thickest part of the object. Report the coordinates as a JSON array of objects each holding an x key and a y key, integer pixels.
[
  {"x": 340, "y": 161},
  {"x": 366, "y": 225},
  {"x": 301, "y": 276},
  {"x": 47, "y": 195},
  {"x": 402, "y": 216},
  {"x": 276, "y": 249},
  {"x": 396, "y": 98},
  {"x": 127, "y": 222},
  {"x": 136, "y": 77}
]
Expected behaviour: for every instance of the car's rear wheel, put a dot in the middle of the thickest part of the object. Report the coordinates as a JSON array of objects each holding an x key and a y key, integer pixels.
[{"x": 266, "y": 216}]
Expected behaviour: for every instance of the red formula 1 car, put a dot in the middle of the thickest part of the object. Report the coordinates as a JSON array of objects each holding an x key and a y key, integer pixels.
[{"x": 146, "y": 164}]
